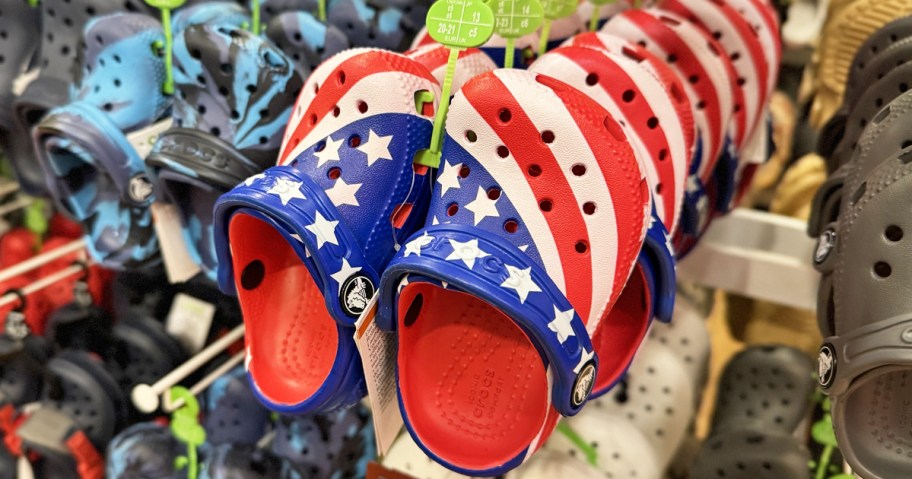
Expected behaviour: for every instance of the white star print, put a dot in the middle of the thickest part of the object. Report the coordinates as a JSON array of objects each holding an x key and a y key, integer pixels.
[
  {"x": 376, "y": 148},
  {"x": 444, "y": 284},
  {"x": 287, "y": 190},
  {"x": 414, "y": 246},
  {"x": 584, "y": 358},
  {"x": 249, "y": 181},
  {"x": 324, "y": 230},
  {"x": 343, "y": 193},
  {"x": 344, "y": 273},
  {"x": 692, "y": 185},
  {"x": 483, "y": 206},
  {"x": 521, "y": 281},
  {"x": 435, "y": 221},
  {"x": 468, "y": 252},
  {"x": 330, "y": 152},
  {"x": 523, "y": 248},
  {"x": 562, "y": 324},
  {"x": 449, "y": 177}
]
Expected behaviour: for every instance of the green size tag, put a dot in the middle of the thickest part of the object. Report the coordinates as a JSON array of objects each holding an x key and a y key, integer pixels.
[
  {"x": 457, "y": 24},
  {"x": 460, "y": 23},
  {"x": 557, "y": 9},
  {"x": 516, "y": 18},
  {"x": 513, "y": 19}
]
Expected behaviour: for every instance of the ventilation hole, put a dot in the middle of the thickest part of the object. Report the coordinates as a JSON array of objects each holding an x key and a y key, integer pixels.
[
  {"x": 736, "y": 56},
  {"x": 264, "y": 140},
  {"x": 414, "y": 310},
  {"x": 881, "y": 115},
  {"x": 589, "y": 208},
  {"x": 659, "y": 189},
  {"x": 579, "y": 169},
  {"x": 701, "y": 105},
  {"x": 354, "y": 141},
  {"x": 893, "y": 233},
  {"x": 511, "y": 226},
  {"x": 362, "y": 106},
  {"x": 235, "y": 115},
  {"x": 582, "y": 246},
  {"x": 313, "y": 119},
  {"x": 672, "y": 58},
  {"x": 547, "y": 136},
  {"x": 494, "y": 193},
  {"x": 253, "y": 275},
  {"x": 223, "y": 90},
  {"x": 215, "y": 131},
  {"x": 502, "y": 151},
  {"x": 905, "y": 157},
  {"x": 251, "y": 88},
  {"x": 195, "y": 53},
  {"x": 534, "y": 170},
  {"x": 505, "y": 115},
  {"x": 117, "y": 83},
  {"x": 652, "y": 123},
  {"x": 320, "y": 146},
  {"x": 754, "y": 439},
  {"x": 471, "y": 136},
  {"x": 628, "y": 96},
  {"x": 341, "y": 77},
  {"x": 882, "y": 269},
  {"x": 592, "y": 79},
  {"x": 859, "y": 192},
  {"x": 108, "y": 107},
  {"x": 452, "y": 209},
  {"x": 546, "y": 205}
]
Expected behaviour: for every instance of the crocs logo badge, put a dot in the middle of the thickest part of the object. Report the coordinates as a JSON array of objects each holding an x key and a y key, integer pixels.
[
  {"x": 584, "y": 383},
  {"x": 357, "y": 292},
  {"x": 826, "y": 365},
  {"x": 825, "y": 245},
  {"x": 140, "y": 188},
  {"x": 185, "y": 147}
]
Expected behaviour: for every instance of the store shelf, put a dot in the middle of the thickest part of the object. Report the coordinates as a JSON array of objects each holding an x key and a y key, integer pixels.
[{"x": 756, "y": 254}]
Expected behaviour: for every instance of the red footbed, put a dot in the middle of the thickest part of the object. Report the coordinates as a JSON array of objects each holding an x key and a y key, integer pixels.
[
  {"x": 468, "y": 374},
  {"x": 290, "y": 335},
  {"x": 619, "y": 335}
]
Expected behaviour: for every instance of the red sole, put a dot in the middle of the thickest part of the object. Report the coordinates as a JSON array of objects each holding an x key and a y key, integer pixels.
[
  {"x": 290, "y": 335},
  {"x": 469, "y": 375}
]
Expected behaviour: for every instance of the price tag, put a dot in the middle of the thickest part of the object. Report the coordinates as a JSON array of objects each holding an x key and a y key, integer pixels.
[
  {"x": 179, "y": 264},
  {"x": 513, "y": 19},
  {"x": 554, "y": 10},
  {"x": 456, "y": 24},
  {"x": 378, "y": 357}
]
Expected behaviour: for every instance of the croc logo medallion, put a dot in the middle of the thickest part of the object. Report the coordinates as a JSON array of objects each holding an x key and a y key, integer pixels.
[
  {"x": 584, "y": 383},
  {"x": 825, "y": 245},
  {"x": 357, "y": 292},
  {"x": 140, "y": 188},
  {"x": 826, "y": 366}
]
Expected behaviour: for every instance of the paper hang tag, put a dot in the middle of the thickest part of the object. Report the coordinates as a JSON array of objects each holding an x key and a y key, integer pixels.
[
  {"x": 378, "y": 357},
  {"x": 24, "y": 79},
  {"x": 143, "y": 139},
  {"x": 190, "y": 320},
  {"x": 179, "y": 264}
]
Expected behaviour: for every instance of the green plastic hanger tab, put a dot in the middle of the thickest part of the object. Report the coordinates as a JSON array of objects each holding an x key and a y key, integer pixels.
[
  {"x": 456, "y": 24},
  {"x": 255, "y": 17},
  {"x": 513, "y": 19},
  {"x": 579, "y": 442},
  {"x": 554, "y": 10},
  {"x": 186, "y": 428},
  {"x": 597, "y": 6},
  {"x": 33, "y": 3},
  {"x": 321, "y": 10},
  {"x": 166, "y": 6}
]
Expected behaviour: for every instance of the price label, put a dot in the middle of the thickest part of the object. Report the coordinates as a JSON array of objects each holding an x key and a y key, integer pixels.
[
  {"x": 516, "y": 18},
  {"x": 460, "y": 23},
  {"x": 557, "y": 9}
]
